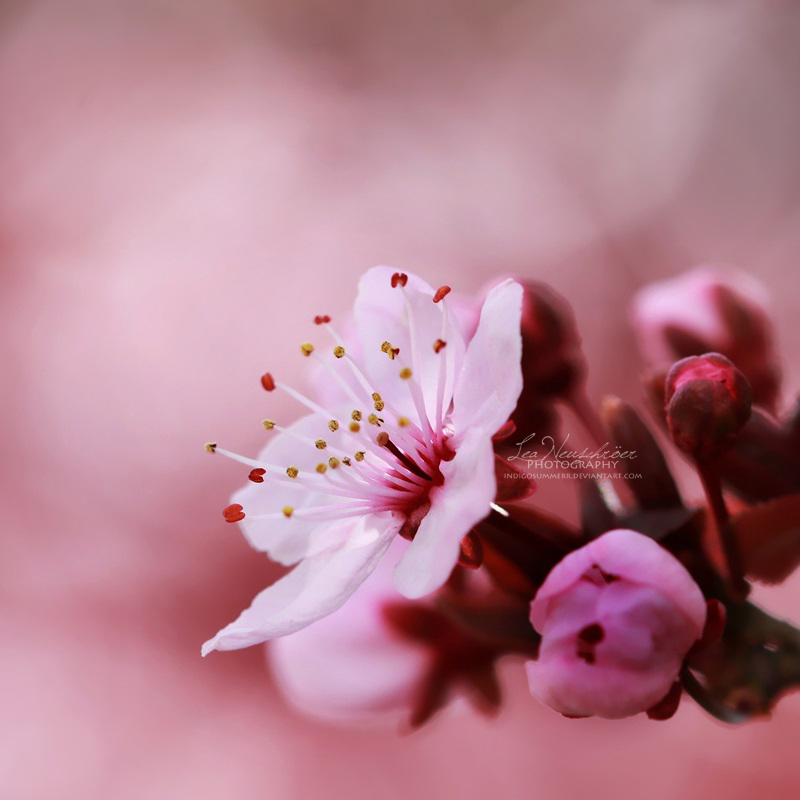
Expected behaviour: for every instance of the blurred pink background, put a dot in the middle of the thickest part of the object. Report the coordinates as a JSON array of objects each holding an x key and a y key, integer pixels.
[{"x": 185, "y": 184}]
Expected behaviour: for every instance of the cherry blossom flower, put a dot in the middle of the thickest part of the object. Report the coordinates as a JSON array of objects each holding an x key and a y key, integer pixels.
[
  {"x": 410, "y": 453},
  {"x": 617, "y": 617}
]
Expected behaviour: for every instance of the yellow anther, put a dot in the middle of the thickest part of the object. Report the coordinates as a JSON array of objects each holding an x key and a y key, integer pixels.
[
  {"x": 288, "y": 511},
  {"x": 292, "y": 472},
  {"x": 356, "y": 415},
  {"x": 382, "y": 439},
  {"x": 306, "y": 348},
  {"x": 346, "y": 460},
  {"x": 321, "y": 468},
  {"x": 379, "y": 406},
  {"x": 338, "y": 351},
  {"x": 354, "y": 427},
  {"x": 333, "y": 425},
  {"x": 360, "y": 455},
  {"x": 320, "y": 444},
  {"x": 269, "y": 424},
  {"x": 405, "y": 373},
  {"x": 211, "y": 447},
  {"x": 403, "y": 422},
  {"x": 333, "y": 462},
  {"x": 376, "y": 397},
  {"x": 390, "y": 351},
  {"x": 374, "y": 419}
]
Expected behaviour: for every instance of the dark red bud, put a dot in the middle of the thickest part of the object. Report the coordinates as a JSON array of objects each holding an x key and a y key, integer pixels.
[{"x": 707, "y": 403}]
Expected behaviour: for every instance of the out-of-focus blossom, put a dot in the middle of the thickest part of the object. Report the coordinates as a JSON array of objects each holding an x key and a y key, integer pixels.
[
  {"x": 353, "y": 665},
  {"x": 411, "y": 454},
  {"x": 384, "y": 658},
  {"x": 617, "y": 617},
  {"x": 707, "y": 402},
  {"x": 711, "y": 309}
]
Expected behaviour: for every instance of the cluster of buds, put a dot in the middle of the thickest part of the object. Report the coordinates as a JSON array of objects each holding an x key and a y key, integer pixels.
[{"x": 421, "y": 556}]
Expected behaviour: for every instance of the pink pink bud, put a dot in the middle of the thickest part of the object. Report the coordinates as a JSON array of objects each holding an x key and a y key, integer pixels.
[
  {"x": 707, "y": 402},
  {"x": 711, "y": 309},
  {"x": 617, "y": 617}
]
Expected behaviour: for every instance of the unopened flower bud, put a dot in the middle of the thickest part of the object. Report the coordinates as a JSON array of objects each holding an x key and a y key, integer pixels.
[
  {"x": 711, "y": 309},
  {"x": 617, "y": 618},
  {"x": 707, "y": 403}
]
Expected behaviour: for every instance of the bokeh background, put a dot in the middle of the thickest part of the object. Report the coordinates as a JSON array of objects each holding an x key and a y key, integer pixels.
[{"x": 184, "y": 184}]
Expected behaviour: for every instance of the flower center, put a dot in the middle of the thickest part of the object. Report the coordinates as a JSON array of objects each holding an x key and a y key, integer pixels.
[{"x": 378, "y": 458}]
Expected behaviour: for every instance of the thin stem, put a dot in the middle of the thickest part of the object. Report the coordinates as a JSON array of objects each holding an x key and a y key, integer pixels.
[{"x": 709, "y": 476}]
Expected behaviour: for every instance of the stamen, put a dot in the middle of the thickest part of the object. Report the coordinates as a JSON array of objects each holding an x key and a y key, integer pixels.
[
  {"x": 347, "y": 462},
  {"x": 374, "y": 419},
  {"x": 406, "y": 373},
  {"x": 399, "y": 279},
  {"x": 439, "y": 345},
  {"x": 269, "y": 424},
  {"x": 403, "y": 422},
  {"x": 306, "y": 348},
  {"x": 338, "y": 351},
  {"x": 268, "y": 382},
  {"x": 321, "y": 468},
  {"x": 321, "y": 319},
  {"x": 360, "y": 455},
  {"x": 356, "y": 416},
  {"x": 210, "y": 447},
  {"x": 287, "y": 511},
  {"x": 233, "y": 513},
  {"x": 333, "y": 425},
  {"x": 390, "y": 351},
  {"x": 441, "y": 293},
  {"x": 292, "y": 472},
  {"x": 320, "y": 444},
  {"x": 257, "y": 475},
  {"x": 354, "y": 427},
  {"x": 333, "y": 462},
  {"x": 384, "y": 441}
]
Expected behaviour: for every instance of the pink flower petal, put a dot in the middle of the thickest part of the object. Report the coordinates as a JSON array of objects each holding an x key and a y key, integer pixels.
[
  {"x": 316, "y": 587},
  {"x": 637, "y": 558},
  {"x": 490, "y": 380},
  {"x": 469, "y": 487}
]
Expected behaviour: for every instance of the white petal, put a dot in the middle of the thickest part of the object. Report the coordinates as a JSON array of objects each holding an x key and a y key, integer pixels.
[
  {"x": 460, "y": 503},
  {"x": 287, "y": 540},
  {"x": 490, "y": 380},
  {"x": 313, "y": 589}
]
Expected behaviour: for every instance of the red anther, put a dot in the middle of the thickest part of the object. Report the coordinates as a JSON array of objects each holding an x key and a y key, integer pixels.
[
  {"x": 268, "y": 382},
  {"x": 233, "y": 513},
  {"x": 257, "y": 475},
  {"x": 321, "y": 319},
  {"x": 438, "y": 345},
  {"x": 441, "y": 293},
  {"x": 399, "y": 279}
]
